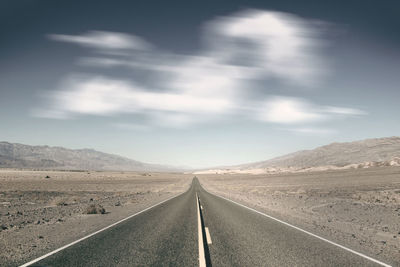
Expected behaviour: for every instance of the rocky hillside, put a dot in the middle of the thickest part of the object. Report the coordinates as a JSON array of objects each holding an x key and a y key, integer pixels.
[
  {"x": 336, "y": 154},
  {"x": 367, "y": 153},
  {"x": 46, "y": 157}
]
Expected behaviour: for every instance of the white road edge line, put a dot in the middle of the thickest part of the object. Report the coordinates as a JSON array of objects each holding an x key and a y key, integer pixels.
[
  {"x": 307, "y": 232},
  {"x": 92, "y": 234},
  {"x": 208, "y": 236},
  {"x": 202, "y": 257}
]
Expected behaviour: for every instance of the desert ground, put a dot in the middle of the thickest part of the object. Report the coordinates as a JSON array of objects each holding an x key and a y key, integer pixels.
[
  {"x": 359, "y": 208},
  {"x": 43, "y": 210}
]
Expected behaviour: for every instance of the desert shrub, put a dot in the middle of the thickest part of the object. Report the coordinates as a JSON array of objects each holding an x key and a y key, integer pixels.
[
  {"x": 95, "y": 209},
  {"x": 47, "y": 177},
  {"x": 61, "y": 202}
]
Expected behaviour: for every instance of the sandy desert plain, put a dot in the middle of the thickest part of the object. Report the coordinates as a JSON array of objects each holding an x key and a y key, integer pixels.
[
  {"x": 39, "y": 214},
  {"x": 358, "y": 208}
]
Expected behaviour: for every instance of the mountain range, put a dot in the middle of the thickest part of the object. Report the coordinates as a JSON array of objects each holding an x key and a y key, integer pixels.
[
  {"x": 358, "y": 154},
  {"x": 14, "y": 155},
  {"x": 364, "y": 153},
  {"x": 337, "y": 154}
]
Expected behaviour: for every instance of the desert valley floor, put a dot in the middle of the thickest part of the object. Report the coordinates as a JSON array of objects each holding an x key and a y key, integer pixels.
[{"x": 43, "y": 210}]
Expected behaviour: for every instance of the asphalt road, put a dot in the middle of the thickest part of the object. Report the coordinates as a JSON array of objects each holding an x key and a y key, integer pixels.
[{"x": 167, "y": 235}]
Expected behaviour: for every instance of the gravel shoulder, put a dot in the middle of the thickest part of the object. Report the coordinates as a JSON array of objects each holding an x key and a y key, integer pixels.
[
  {"x": 39, "y": 214},
  {"x": 357, "y": 208}
]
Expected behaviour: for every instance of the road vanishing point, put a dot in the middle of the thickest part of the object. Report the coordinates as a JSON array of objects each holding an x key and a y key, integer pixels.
[{"x": 197, "y": 228}]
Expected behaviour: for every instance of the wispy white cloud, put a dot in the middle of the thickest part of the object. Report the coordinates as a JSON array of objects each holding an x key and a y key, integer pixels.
[
  {"x": 312, "y": 131},
  {"x": 104, "y": 40},
  {"x": 104, "y": 96},
  {"x": 272, "y": 44},
  {"x": 345, "y": 111},
  {"x": 103, "y": 62},
  {"x": 252, "y": 45},
  {"x": 290, "y": 110}
]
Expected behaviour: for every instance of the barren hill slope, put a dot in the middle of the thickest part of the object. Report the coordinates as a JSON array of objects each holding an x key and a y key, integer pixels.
[{"x": 336, "y": 154}]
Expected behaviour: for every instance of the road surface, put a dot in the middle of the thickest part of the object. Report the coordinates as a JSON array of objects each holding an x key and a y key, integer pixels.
[{"x": 169, "y": 235}]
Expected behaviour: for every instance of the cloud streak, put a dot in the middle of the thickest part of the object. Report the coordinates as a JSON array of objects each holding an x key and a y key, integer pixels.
[
  {"x": 312, "y": 131},
  {"x": 104, "y": 40},
  {"x": 289, "y": 110},
  {"x": 89, "y": 95}
]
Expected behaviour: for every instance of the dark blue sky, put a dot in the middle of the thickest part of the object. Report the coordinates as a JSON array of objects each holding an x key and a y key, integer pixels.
[{"x": 198, "y": 82}]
